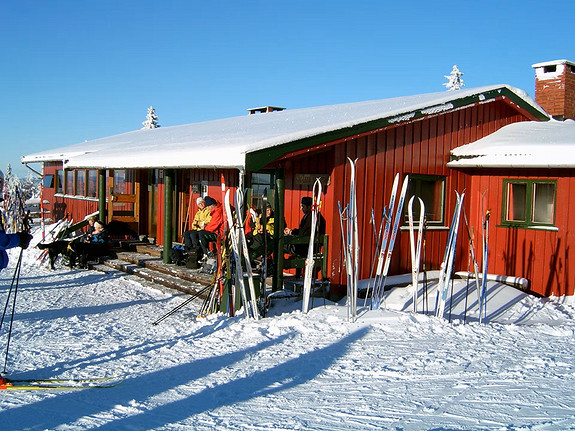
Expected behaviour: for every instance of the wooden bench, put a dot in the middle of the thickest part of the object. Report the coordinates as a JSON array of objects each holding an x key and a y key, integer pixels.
[{"x": 319, "y": 257}]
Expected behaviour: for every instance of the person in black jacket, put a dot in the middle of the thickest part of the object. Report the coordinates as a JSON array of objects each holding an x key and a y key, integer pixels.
[{"x": 304, "y": 228}]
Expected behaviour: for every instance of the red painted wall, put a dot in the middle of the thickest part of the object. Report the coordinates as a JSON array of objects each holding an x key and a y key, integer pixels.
[
  {"x": 419, "y": 147},
  {"x": 544, "y": 257}
]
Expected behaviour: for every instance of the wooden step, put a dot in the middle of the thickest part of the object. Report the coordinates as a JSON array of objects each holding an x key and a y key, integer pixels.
[
  {"x": 154, "y": 276},
  {"x": 156, "y": 264}
]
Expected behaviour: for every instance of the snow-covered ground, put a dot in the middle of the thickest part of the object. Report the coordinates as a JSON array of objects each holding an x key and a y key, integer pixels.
[{"x": 391, "y": 369}]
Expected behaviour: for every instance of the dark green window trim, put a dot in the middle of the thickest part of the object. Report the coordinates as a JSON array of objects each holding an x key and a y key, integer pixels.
[
  {"x": 435, "y": 214},
  {"x": 524, "y": 203}
]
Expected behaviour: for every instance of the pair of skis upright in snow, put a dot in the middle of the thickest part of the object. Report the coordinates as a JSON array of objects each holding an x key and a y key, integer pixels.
[
  {"x": 483, "y": 291},
  {"x": 309, "y": 261},
  {"x": 388, "y": 242},
  {"x": 415, "y": 245},
  {"x": 446, "y": 268},
  {"x": 240, "y": 254}
]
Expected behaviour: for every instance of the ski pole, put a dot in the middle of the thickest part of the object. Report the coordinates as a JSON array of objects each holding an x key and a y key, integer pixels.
[
  {"x": 182, "y": 305},
  {"x": 425, "y": 299},
  {"x": 15, "y": 280},
  {"x": 451, "y": 301}
]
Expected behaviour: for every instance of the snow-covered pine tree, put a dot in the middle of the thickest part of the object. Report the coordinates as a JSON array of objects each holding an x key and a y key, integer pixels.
[
  {"x": 455, "y": 82},
  {"x": 11, "y": 201},
  {"x": 151, "y": 119},
  {"x": 16, "y": 192}
]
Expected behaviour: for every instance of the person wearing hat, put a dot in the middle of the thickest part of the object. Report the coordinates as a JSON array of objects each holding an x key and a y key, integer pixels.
[
  {"x": 215, "y": 227},
  {"x": 304, "y": 228},
  {"x": 201, "y": 220},
  {"x": 9, "y": 240}
]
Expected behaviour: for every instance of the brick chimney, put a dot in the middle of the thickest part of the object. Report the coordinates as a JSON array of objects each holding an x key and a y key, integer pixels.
[
  {"x": 264, "y": 109},
  {"x": 555, "y": 88}
]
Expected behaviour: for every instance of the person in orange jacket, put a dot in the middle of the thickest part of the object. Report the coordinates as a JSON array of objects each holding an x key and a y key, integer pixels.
[{"x": 214, "y": 229}]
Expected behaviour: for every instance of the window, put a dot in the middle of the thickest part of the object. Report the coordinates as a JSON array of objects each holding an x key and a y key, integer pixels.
[
  {"x": 120, "y": 181},
  {"x": 92, "y": 184},
  {"x": 80, "y": 183},
  {"x": 124, "y": 181},
  {"x": 431, "y": 189},
  {"x": 529, "y": 203},
  {"x": 261, "y": 183},
  {"x": 48, "y": 181},
  {"x": 69, "y": 182},
  {"x": 59, "y": 181}
]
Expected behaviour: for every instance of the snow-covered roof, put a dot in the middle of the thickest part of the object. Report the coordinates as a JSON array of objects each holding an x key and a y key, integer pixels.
[
  {"x": 528, "y": 144},
  {"x": 226, "y": 142}
]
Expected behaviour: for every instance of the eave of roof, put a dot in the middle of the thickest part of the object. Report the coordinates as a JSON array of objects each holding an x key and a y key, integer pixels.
[
  {"x": 526, "y": 144},
  {"x": 253, "y": 141}
]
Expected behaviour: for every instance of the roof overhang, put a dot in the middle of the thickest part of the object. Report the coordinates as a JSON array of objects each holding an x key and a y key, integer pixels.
[
  {"x": 529, "y": 144},
  {"x": 254, "y": 141},
  {"x": 258, "y": 159}
]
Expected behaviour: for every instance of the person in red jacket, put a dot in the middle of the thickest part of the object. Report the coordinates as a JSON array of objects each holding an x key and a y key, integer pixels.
[{"x": 214, "y": 229}]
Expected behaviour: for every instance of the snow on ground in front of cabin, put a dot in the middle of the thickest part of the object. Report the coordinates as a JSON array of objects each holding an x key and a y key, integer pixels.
[{"x": 391, "y": 369}]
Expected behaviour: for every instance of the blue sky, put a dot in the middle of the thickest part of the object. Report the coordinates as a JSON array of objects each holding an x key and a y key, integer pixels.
[{"x": 73, "y": 70}]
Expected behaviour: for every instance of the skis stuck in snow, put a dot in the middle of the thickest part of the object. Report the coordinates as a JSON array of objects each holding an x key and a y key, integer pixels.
[
  {"x": 415, "y": 245},
  {"x": 309, "y": 262},
  {"x": 385, "y": 254},
  {"x": 446, "y": 268}
]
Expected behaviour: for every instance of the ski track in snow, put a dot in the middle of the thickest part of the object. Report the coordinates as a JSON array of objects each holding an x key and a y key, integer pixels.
[{"x": 388, "y": 370}]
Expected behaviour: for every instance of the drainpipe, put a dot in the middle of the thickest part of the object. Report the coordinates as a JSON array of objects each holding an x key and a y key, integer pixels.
[
  {"x": 168, "y": 213},
  {"x": 277, "y": 282},
  {"x": 34, "y": 170},
  {"x": 102, "y": 195}
]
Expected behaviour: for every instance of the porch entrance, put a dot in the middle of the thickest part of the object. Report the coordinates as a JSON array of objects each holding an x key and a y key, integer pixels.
[{"x": 124, "y": 197}]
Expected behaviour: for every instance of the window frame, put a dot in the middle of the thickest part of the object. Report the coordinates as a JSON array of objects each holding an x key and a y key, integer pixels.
[
  {"x": 443, "y": 186},
  {"x": 59, "y": 181},
  {"x": 69, "y": 182},
  {"x": 529, "y": 203},
  {"x": 91, "y": 192},
  {"x": 259, "y": 182},
  {"x": 80, "y": 182}
]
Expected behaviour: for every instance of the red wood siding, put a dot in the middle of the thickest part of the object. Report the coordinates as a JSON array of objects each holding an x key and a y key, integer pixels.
[
  {"x": 184, "y": 181},
  {"x": 541, "y": 256},
  {"x": 418, "y": 147},
  {"x": 58, "y": 206}
]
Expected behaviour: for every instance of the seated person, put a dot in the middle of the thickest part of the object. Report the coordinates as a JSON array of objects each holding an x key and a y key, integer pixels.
[
  {"x": 215, "y": 227},
  {"x": 95, "y": 246},
  {"x": 90, "y": 230},
  {"x": 201, "y": 219},
  {"x": 304, "y": 228},
  {"x": 259, "y": 242}
]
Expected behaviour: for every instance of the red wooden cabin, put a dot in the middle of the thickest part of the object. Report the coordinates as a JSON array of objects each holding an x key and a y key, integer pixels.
[{"x": 285, "y": 151}]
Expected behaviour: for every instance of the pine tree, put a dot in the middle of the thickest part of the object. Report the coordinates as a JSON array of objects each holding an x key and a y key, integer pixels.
[
  {"x": 455, "y": 82},
  {"x": 16, "y": 192},
  {"x": 151, "y": 119}
]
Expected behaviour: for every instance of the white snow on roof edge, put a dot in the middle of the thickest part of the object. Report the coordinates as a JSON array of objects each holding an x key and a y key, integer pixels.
[
  {"x": 225, "y": 142},
  {"x": 528, "y": 144}
]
